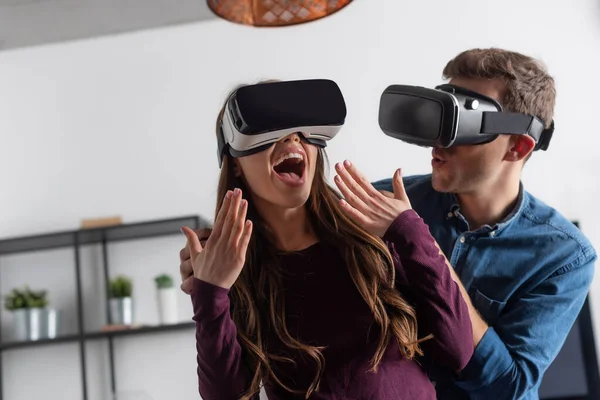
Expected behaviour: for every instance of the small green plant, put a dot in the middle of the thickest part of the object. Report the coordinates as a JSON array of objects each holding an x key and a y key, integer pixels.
[
  {"x": 120, "y": 287},
  {"x": 25, "y": 298},
  {"x": 164, "y": 281}
]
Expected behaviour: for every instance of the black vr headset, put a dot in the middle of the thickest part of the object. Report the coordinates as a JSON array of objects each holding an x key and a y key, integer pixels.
[
  {"x": 259, "y": 115},
  {"x": 450, "y": 115}
]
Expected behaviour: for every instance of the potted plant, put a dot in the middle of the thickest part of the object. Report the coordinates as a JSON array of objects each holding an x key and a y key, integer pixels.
[
  {"x": 120, "y": 291},
  {"x": 33, "y": 319},
  {"x": 167, "y": 299}
]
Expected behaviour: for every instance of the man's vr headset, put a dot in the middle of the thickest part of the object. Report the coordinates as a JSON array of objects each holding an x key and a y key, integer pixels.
[
  {"x": 259, "y": 115},
  {"x": 450, "y": 116}
]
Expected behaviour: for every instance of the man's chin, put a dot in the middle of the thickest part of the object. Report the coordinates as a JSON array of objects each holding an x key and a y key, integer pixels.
[{"x": 440, "y": 185}]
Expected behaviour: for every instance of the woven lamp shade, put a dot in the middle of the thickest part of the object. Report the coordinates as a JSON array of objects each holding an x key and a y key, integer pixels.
[{"x": 275, "y": 12}]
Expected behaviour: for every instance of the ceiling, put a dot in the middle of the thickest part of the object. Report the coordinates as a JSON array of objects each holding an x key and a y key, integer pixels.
[{"x": 25, "y": 23}]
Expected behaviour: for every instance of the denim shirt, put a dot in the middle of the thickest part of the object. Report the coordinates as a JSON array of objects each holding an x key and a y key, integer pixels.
[{"x": 528, "y": 277}]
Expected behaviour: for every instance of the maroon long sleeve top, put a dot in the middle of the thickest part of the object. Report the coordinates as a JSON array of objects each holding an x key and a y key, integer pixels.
[{"x": 324, "y": 308}]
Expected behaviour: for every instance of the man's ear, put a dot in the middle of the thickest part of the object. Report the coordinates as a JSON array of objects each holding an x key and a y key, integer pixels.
[
  {"x": 520, "y": 147},
  {"x": 237, "y": 169}
]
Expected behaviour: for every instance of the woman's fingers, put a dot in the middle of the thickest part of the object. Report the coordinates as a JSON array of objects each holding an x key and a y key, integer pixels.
[
  {"x": 244, "y": 240},
  {"x": 356, "y": 215},
  {"x": 193, "y": 242},
  {"x": 234, "y": 207},
  {"x": 357, "y": 195},
  {"x": 346, "y": 192},
  {"x": 350, "y": 196},
  {"x": 203, "y": 235},
  {"x": 398, "y": 185},
  {"x": 218, "y": 227},
  {"x": 363, "y": 184},
  {"x": 238, "y": 225}
]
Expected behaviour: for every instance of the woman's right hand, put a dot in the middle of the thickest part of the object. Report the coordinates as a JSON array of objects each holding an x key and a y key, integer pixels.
[{"x": 222, "y": 258}]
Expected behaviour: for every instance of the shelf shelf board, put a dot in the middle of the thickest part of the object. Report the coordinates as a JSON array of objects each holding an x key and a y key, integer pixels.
[
  {"x": 141, "y": 330},
  {"x": 98, "y": 335},
  {"x": 115, "y": 233},
  {"x": 42, "y": 342}
]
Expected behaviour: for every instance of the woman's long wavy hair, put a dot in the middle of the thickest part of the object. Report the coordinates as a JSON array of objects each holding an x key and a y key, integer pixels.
[{"x": 257, "y": 305}]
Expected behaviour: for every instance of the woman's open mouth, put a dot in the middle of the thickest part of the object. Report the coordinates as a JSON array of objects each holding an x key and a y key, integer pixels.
[{"x": 289, "y": 168}]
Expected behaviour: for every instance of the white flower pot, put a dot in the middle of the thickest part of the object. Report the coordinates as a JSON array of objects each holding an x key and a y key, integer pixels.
[
  {"x": 167, "y": 305},
  {"x": 35, "y": 324},
  {"x": 121, "y": 311}
]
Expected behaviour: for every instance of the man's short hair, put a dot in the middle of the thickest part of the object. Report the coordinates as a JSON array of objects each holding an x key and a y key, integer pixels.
[{"x": 529, "y": 87}]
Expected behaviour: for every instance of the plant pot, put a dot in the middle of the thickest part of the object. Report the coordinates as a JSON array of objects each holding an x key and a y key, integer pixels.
[
  {"x": 35, "y": 324},
  {"x": 121, "y": 311},
  {"x": 167, "y": 305}
]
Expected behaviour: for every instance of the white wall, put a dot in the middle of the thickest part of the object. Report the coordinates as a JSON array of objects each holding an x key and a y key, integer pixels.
[{"x": 125, "y": 125}]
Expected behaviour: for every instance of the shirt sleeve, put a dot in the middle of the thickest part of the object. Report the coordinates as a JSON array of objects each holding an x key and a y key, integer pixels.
[
  {"x": 222, "y": 373},
  {"x": 422, "y": 271},
  {"x": 512, "y": 356}
]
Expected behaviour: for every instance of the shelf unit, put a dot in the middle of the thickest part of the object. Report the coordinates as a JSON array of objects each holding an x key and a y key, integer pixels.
[{"x": 99, "y": 236}]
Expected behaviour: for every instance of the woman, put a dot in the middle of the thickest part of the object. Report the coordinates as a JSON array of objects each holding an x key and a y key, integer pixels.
[{"x": 290, "y": 291}]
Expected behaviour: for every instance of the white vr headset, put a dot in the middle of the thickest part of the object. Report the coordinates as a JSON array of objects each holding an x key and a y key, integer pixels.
[{"x": 257, "y": 116}]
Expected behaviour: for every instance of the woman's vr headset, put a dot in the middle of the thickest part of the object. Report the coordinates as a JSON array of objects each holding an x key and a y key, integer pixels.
[
  {"x": 450, "y": 115},
  {"x": 259, "y": 115}
]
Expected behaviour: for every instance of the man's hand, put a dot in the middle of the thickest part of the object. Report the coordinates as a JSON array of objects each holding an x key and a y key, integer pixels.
[
  {"x": 367, "y": 206},
  {"x": 185, "y": 266}
]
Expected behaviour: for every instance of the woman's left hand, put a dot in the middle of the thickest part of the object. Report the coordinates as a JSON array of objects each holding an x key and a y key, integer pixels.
[{"x": 367, "y": 206}]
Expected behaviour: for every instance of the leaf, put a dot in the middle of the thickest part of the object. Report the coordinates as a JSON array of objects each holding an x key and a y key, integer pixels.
[
  {"x": 120, "y": 287},
  {"x": 26, "y": 298}
]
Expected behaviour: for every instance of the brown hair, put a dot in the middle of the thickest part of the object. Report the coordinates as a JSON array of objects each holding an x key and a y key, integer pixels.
[
  {"x": 258, "y": 288},
  {"x": 529, "y": 87}
]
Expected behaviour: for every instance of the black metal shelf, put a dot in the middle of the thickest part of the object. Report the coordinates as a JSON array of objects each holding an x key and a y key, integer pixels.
[
  {"x": 42, "y": 342},
  {"x": 97, "y": 335},
  {"x": 83, "y": 237},
  {"x": 102, "y": 236},
  {"x": 141, "y": 330}
]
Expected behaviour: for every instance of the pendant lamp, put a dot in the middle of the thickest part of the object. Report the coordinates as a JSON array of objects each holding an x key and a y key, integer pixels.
[{"x": 266, "y": 13}]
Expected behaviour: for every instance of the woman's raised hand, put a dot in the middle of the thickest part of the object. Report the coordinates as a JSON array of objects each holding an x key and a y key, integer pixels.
[
  {"x": 221, "y": 259},
  {"x": 368, "y": 207}
]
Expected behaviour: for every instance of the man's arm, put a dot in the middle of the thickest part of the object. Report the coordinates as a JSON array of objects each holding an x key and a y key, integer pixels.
[{"x": 512, "y": 356}]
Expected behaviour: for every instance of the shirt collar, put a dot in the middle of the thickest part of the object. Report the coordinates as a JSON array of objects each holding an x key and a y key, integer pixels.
[{"x": 453, "y": 210}]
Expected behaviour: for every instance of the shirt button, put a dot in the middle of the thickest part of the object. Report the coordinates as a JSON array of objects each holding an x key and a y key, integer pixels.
[
  {"x": 450, "y": 215},
  {"x": 492, "y": 233},
  {"x": 462, "y": 239}
]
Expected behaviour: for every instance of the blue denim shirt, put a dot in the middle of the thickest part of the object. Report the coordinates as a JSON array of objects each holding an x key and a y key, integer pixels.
[{"x": 528, "y": 277}]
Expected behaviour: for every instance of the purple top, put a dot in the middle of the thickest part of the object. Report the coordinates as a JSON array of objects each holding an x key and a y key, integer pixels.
[{"x": 324, "y": 307}]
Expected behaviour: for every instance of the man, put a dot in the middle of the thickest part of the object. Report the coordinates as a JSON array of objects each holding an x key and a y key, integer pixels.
[{"x": 525, "y": 269}]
